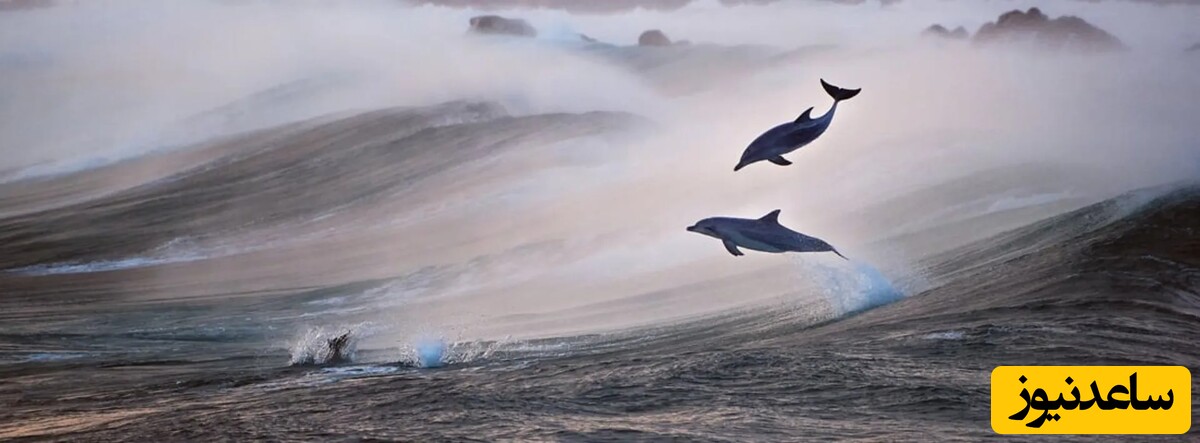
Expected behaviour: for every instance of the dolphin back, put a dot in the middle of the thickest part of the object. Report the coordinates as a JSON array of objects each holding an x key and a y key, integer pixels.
[
  {"x": 786, "y": 239},
  {"x": 776, "y": 236}
]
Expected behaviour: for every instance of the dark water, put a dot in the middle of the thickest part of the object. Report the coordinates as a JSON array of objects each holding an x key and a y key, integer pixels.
[{"x": 164, "y": 299}]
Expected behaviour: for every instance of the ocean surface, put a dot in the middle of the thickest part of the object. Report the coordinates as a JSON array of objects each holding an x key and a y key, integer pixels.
[
  {"x": 195, "y": 306},
  {"x": 514, "y": 266}
]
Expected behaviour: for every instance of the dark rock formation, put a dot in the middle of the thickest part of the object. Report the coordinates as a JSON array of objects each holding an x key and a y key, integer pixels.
[
  {"x": 497, "y": 25},
  {"x": 653, "y": 37},
  {"x": 1066, "y": 32},
  {"x": 939, "y": 31}
]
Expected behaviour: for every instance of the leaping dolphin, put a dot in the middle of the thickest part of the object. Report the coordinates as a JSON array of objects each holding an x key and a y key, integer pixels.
[
  {"x": 764, "y": 234},
  {"x": 337, "y": 349},
  {"x": 788, "y": 137}
]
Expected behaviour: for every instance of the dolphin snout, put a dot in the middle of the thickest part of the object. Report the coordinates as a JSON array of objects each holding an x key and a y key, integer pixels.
[{"x": 692, "y": 228}]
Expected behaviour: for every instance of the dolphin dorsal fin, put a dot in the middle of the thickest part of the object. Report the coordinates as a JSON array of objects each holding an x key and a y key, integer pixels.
[
  {"x": 771, "y": 217},
  {"x": 806, "y": 116}
]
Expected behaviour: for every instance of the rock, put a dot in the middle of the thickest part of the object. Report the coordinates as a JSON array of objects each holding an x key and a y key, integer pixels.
[
  {"x": 497, "y": 25},
  {"x": 653, "y": 37},
  {"x": 939, "y": 31},
  {"x": 936, "y": 30},
  {"x": 1066, "y": 32}
]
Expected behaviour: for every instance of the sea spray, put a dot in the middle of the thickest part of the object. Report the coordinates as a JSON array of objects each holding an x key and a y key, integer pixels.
[
  {"x": 433, "y": 351},
  {"x": 313, "y": 347},
  {"x": 848, "y": 288},
  {"x": 430, "y": 352},
  {"x": 425, "y": 351},
  {"x": 875, "y": 288}
]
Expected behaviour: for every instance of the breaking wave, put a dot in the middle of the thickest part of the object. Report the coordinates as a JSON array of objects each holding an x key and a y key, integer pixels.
[{"x": 483, "y": 239}]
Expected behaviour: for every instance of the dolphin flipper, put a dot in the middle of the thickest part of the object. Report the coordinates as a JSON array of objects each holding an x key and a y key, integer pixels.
[
  {"x": 732, "y": 248},
  {"x": 779, "y": 160},
  {"x": 839, "y": 254}
]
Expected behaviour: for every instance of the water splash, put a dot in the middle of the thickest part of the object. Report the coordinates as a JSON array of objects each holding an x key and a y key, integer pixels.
[
  {"x": 427, "y": 351},
  {"x": 849, "y": 289},
  {"x": 430, "y": 353},
  {"x": 435, "y": 351},
  {"x": 319, "y": 346}
]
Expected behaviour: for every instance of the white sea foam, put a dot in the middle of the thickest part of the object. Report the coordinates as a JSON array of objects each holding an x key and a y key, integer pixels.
[
  {"x": 101, "y": 265},
  {"x": 945, "y": 335}
]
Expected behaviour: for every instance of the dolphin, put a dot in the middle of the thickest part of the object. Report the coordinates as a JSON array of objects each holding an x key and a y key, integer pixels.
[
  {"x": 337, "y": 349},
  {"x": 788, "y": 137},
  {"x": 764, "y": 234}
]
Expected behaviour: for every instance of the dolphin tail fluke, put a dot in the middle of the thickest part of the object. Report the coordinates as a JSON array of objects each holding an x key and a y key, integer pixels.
[
  {"x": 739, "y": 166},
  {"x": 837, "y": 93},
  {"x": 839, "y": 254}
]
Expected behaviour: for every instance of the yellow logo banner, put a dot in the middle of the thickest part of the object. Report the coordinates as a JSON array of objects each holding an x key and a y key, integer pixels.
[{"x": 1091, "y": 400}]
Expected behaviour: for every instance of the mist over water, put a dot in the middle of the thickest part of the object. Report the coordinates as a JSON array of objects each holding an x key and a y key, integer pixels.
[
  {"x": 97, "y": 83},
  {"x": 130, "y": 77},
  {"x": 215, "y": 190}
]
